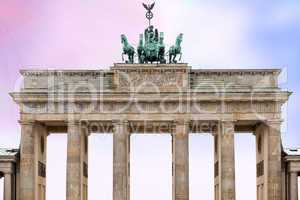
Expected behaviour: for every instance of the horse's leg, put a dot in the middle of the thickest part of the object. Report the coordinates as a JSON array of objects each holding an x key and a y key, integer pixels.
[
  {"x": 180, "y": 56},
  {"x": 122, "y": 56},
  {"x": 174, "y": 58},
  {"x": 170, "y": 58},
  {"x": 131, "y": 58},
  {"x": 132, "y": 55}
]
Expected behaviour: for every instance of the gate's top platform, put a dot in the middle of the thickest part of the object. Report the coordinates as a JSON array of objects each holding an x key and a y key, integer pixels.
[{"x": 150, "y": 77}]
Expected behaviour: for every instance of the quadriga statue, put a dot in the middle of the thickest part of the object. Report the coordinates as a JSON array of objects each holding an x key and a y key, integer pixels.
[{"x": 151, "y": 47}]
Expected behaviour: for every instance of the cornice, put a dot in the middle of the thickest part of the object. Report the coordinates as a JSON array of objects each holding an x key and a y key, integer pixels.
[
  {"x": 65, "y": 72},
  {"x": 280, "y": 96},
  {"x": 128, "y": 67},
  {"x": 229, "y": 72}
]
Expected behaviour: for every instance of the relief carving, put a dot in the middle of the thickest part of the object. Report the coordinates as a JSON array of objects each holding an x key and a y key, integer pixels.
[
  {"x": 155, "y": 79},
  {"x": 240, "y": 78}
]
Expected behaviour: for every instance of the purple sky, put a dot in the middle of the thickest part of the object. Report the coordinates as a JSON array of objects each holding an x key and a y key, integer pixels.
[{"x": 85, "y": 34}]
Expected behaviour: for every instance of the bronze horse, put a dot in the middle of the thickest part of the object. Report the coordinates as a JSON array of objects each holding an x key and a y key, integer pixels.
[
  {"x": 176, "y": 49},
  {"x": 127, "y": 49}
]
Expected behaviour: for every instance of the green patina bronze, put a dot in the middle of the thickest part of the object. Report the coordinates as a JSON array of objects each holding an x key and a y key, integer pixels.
[
  {"x": 176, "y": 49},
  {"x": 127, "y": 50},
  {"x": 151, "y": 47}
]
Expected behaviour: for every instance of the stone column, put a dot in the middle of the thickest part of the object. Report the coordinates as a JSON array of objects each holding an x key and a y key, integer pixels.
[
  {"x": 180, "y": 143},
  {"x": 76, "y": 162},
  {"x": 121, "y": 145},
  {"x": 215, "y": 133},
  {"x": 85, "y": 144},
  {"x": 7, "y": 186},
  {"x": 273, "y": 157},
  {"x": 269, "y": 160},
  {"x": 224, "y": 161},
  {"x": 27, "y": 160},
  {"x": 293, "y": 186},
  {"x": 32, "y": 160}
]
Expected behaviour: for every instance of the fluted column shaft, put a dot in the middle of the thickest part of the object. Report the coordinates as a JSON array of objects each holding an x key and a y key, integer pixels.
[
  {"x": 224, "y": 161},
  {"x": 8, "y": 186},
  {"x": 269, "y": 160},
  {"x": 293, "y": 186},
  {"x": 27, "y": 162},
  {"x": 32, "y": 160},
  {"x": 181, "y": 161},
  {"x": 273, "y": 158},
  {"x": 76, "y": 163},
  {"x": 121, "y": 142}
]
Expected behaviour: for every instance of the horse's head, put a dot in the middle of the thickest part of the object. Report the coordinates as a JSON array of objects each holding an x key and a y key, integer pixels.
[
  {"x": 179, "y": 39},
  {"x": 141, "y": 41},
  {"x": 123, "y": 38}
]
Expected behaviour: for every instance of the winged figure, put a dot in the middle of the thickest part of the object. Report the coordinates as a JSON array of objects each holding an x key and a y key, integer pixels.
[{"x": 149, "y": 7}]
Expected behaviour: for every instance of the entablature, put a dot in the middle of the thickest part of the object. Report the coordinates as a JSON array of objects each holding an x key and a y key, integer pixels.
[{"x": 161, "y": 89}]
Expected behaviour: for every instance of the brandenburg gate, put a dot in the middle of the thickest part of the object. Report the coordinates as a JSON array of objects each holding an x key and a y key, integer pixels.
[{"x": 151, "y": 98}]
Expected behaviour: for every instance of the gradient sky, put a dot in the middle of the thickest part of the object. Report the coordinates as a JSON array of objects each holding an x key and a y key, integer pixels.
[{"x": 85, "y": 34}]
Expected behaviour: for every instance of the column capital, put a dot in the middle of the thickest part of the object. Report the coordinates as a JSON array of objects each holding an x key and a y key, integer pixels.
[
  {"x": 8, "y": 170},
  {"x": 73, "y": 123},
  {"x": 215, "y": 128},
  {"x": 273, "y": 122},
  {"x": 27, "y": 122},
  {"x": 31, "y": 123},
  {"x": 181, "y": 127},
  {"x": 7, "y": 173},
  {"x": 220, "y": 122},
  {"x": 293, "y": 167},
  {"x": 274, "y": 125},
  {"x": 120, "y": 122},
  {"x": 224, "y": 121},
  {"x": 122, "y": 126},
  {"x": 181, "y": 122}
]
